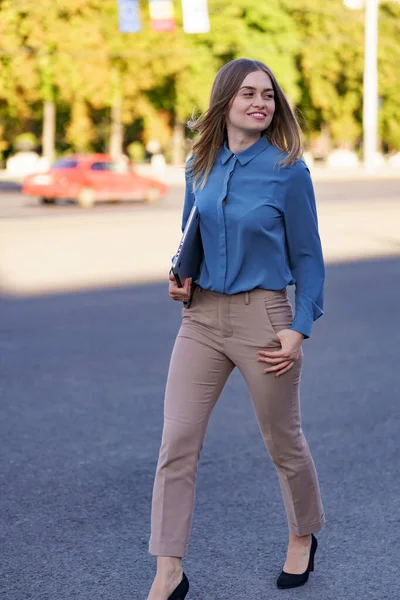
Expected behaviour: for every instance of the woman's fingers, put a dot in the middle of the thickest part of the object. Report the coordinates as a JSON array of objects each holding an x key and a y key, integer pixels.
[
  {"x": 274, "y": 357},
  {"x": 278, "y": 367},
  {"x": 290, "y": 365},
  {"x": 273, "y": 361},
  {"x": 281, "y": 353},
  {"x": 179, "y": 293},
  {"x": 281, "y": 360}
]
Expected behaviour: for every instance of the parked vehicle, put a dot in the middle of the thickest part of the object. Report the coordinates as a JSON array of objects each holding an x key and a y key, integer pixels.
[{"x": 91, "y": 178}]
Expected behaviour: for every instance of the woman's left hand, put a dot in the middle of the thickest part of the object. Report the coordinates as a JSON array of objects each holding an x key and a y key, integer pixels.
[{"x": 283, "y": 360}]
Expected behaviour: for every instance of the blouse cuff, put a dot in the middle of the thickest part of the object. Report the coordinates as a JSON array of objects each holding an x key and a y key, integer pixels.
[{"x": 307, "y": 311}]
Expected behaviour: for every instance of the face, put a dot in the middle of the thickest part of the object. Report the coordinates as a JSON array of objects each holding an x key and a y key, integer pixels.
[{"x": 253, "y": 107}]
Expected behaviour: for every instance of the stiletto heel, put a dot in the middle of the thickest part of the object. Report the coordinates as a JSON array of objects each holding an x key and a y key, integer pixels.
[
  {"x": 289, "y": 580},
  {"x": 180, "y": 592}
]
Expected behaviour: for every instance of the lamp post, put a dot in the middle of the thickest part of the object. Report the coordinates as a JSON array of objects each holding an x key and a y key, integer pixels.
[
  {"x": 370, "y": 102},
  {"x": 370, "y": 105}
]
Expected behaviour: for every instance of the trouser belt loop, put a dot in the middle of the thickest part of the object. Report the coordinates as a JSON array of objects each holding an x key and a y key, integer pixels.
[{"x": 246, "y": 298}]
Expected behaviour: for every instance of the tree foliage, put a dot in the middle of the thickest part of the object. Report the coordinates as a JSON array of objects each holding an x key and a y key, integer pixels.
[{"x": 71, "y": 52}]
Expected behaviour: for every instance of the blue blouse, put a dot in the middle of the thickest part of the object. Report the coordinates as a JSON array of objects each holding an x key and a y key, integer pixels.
[{"x": 259, "y": 228}]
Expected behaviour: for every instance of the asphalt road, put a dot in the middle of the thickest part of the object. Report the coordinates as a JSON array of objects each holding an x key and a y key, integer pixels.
[{"x": 81, "y": 385}]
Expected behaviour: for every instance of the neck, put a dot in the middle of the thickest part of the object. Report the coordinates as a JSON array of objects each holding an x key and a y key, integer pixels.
[{"x": 239, "y": 140}]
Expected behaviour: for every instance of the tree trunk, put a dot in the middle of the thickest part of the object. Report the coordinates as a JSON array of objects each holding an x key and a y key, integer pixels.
[
  {"x": 178, "y": 139},
  {"x": 117, "y": 132},
  {"x": 49, "y": 131}
]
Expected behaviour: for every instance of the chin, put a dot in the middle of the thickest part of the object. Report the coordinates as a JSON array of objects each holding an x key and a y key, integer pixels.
[{"x": 257, "y": 128}]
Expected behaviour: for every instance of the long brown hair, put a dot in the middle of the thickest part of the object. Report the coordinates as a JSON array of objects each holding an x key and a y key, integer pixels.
[{"x": 284, "y": 131}]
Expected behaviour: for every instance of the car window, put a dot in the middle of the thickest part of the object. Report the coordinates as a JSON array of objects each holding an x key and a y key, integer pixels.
[
  {"x": 65, "y": 163},
  {"x": 100, "y": 166},
  {"x": 114, "y": 166}
]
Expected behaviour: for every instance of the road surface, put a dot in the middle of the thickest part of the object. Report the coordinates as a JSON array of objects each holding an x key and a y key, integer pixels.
[{"x": 82, "y": 380}]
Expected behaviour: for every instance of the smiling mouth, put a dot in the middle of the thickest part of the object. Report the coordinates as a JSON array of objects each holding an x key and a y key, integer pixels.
[{"x": 257, "y": 115}]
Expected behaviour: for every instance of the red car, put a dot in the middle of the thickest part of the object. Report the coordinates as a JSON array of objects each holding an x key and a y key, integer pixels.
[{"x": 90, "y": 178}]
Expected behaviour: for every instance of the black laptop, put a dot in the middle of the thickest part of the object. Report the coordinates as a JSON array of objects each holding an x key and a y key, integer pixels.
[{"x": 187, "y": 260}]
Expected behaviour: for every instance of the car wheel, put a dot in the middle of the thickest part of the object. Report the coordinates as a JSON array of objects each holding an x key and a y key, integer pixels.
[
  {"x": 152, "y": 195},
  {"x": 47, "y": 200},
  {"x": 86, "y": 198}
]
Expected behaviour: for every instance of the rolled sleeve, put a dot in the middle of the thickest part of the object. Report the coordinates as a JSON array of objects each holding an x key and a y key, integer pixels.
[{"x": 304, "y": 248}]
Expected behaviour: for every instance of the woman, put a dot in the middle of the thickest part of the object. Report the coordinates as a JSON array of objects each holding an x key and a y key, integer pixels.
[{"x": 259, "y": 230}]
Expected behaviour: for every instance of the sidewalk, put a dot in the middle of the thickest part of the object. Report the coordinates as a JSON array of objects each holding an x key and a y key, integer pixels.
[
  {"x": 50, "y": 254},
  {"x": 175, "y": 174}
]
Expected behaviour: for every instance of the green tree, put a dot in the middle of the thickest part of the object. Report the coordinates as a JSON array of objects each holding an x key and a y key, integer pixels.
[
  {"x": 70, "y": 54},
  {"x": 238, "y": 29},
  {"x": 389, "y": 83},
  {"x": 330, "y": 60}
]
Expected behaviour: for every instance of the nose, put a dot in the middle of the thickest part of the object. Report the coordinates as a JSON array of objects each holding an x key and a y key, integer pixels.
[{"x": 259, "y": 101}]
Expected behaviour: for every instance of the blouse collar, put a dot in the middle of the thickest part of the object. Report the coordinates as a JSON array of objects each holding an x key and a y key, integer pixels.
[{"x": 247, "y": 155}]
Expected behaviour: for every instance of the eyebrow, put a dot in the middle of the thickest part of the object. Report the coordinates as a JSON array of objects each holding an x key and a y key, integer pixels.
[{"x": 250, "y": 87}]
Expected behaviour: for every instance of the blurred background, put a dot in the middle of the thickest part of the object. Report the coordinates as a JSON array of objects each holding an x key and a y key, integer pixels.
[
  {"x": 72, "y": 81},
  {"x": 94, "y": 97},
  {"x": 115, "y": 82}
]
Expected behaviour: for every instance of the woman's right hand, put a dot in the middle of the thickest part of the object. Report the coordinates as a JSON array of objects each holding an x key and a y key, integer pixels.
[{"x": 177, "y": 293}]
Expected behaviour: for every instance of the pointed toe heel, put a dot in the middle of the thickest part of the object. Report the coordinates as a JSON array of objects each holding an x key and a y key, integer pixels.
[
  {"x": 181, "y": 591},
  {"x": 286, "y": 581}
]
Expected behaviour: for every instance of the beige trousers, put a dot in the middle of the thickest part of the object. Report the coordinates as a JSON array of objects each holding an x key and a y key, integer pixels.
[{"x": 219, "y": 332}]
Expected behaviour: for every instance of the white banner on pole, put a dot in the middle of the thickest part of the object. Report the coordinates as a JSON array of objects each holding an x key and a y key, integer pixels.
[
  {"x": 195, "y": 16},
  {"x": 129, "y": 16},
  {"x": 354, "y": 4}
]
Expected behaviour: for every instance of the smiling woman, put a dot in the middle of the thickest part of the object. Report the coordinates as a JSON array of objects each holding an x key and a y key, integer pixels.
[
  {"x": 259, "y": 232},
  {"x": 254, "y": 101},
  {"x": 243, "y": 91}
]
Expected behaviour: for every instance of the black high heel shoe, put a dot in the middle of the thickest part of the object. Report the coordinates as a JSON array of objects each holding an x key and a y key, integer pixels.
[
  {"x": 180, "y": 592},
  {"x": 288, "y": 580}
]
